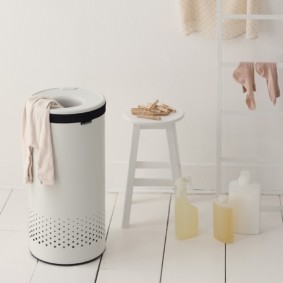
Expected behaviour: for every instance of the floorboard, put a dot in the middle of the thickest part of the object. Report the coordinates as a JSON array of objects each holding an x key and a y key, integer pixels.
[
  {"x": 144, "y": 252},
  {"x": 135, "y": 254},
  {"x": 16, "y": 262},
  {"x": 4, "y": 195},
  {"x": 14, "y": 216},
  {"x": 256, "y": 258}
]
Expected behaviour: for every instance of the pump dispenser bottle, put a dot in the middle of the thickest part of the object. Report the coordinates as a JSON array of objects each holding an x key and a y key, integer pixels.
[
  {"x": 186, "y": 215},
  {"x": 244, "y": 195}
]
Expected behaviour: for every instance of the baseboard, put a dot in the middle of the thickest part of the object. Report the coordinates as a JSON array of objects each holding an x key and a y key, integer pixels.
[{"x": 203, "y": 176}]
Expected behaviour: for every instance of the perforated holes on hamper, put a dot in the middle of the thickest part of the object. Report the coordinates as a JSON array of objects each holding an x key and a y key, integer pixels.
[{"x": 42, "y": 229}]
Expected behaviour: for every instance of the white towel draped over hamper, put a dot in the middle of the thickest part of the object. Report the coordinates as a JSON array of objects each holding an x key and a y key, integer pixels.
[
  {"x": 36, "y": 136},
  {"x": 200, "y": 15}
]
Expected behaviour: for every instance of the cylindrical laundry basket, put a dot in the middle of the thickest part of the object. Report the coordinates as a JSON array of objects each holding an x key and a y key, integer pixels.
[{"x": 67, "y": 219}]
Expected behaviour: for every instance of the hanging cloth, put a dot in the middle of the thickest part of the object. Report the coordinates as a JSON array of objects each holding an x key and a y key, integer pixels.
[
  {"x": 36, "y": 135},
  {"x": 200, "y": 15}
]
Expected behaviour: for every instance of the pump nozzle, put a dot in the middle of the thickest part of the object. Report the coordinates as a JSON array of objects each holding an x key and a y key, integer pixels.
[{"x": 181, "y": 185}]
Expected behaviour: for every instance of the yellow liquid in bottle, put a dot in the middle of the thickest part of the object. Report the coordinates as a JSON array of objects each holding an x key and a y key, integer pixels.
[
  {"x": 223, "y": 222},
  {"x": 186, "y": 219}
]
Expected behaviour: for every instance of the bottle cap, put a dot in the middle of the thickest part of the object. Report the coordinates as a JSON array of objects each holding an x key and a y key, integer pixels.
[{"x": 245, "y": 177}]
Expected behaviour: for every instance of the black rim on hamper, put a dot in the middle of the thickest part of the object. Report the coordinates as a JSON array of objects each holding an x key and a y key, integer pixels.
[{"x": 82, "y": 118}]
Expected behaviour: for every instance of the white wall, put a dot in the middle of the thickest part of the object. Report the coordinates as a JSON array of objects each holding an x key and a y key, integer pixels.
[{"x": 133, "y": 52}]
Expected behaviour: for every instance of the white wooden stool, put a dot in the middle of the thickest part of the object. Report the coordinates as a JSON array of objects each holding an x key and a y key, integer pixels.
[{"x": 167, "y": 123}]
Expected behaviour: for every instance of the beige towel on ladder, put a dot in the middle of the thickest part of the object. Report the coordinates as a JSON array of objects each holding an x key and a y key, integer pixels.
[
  {"x": 36, "y": 136},
  {"x": 200, "y": 15}
]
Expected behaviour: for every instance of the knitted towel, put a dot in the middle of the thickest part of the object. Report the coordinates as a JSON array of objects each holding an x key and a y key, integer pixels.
[{"x": 200, "y": 15}]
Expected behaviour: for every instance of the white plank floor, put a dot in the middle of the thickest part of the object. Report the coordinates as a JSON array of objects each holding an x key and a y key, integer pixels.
[{"x": 147, "y": 251}]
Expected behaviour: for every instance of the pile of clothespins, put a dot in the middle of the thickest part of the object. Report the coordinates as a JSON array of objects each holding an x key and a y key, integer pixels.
[{"x": 152, "y": 111}]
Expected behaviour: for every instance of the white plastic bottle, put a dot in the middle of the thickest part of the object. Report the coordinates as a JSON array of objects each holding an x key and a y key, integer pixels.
[
  {"x": 186, "y": 215},
  {"x": 244, "y": 196}
]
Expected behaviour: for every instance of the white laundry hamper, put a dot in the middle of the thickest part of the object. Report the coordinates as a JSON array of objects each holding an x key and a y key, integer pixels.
[{"x": 67, "y": 219}]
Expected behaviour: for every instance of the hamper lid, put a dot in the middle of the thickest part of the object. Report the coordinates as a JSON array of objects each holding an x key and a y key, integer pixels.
[{"x": 79, "y": 105}]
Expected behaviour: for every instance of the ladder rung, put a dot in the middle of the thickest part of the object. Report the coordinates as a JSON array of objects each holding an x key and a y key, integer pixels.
[
  {"x": 251, "y": 161},
  {"x": 271, "y": 208},
  {"x": 234, "y": 64},
  {"x": 252, "y": 17},
  {"x": 152, "y": 165},
  {"x": 251, "y": 113},
  {"x": 153, "y": 182}
]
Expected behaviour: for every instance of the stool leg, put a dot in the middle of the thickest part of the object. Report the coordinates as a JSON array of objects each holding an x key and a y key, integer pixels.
[
  {"x": 174, "y": 152},
  {"x": 131, "y": 176}
]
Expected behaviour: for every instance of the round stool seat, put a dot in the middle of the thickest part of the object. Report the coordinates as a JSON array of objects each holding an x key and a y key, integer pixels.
[{"x": 172, "y": 117}]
